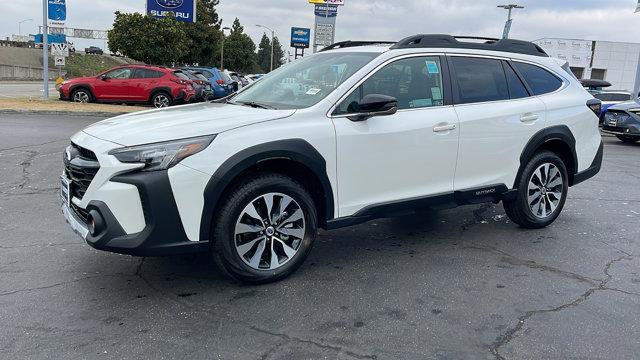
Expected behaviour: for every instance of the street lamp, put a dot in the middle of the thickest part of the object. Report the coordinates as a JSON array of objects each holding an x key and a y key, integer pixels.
[
  {"x": 20, "y": 25},
  {"x": 507, "y": 26},
  {"x": 222, "y": 51},
  {"x": 273, "y": 35}
]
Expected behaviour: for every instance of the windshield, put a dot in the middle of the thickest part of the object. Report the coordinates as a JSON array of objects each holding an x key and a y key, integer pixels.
[
  {"x": 225, "y": 77},
  {"x": 181, "y": 75},
  {"x": 200, "y": 76},
  {"x": 305, "y": 82}
]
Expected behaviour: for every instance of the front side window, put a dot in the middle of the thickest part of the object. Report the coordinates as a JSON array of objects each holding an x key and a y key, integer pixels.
[
  {"x": 305, "y": 82},
  {"x": 122, "y": 73},
  {"x": 540, "y": 80},
  {"x": 479, "y": 80},
  {"x": 415, "y": 82}
]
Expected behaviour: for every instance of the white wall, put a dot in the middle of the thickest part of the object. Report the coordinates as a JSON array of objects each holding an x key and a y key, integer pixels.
[{"x": 620, "y": 60}]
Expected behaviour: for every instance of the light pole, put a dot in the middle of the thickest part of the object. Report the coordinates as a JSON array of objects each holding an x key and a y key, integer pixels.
[
  {"x": 507, "y": 26},
  {"x": 273, "y": 35},
  {"x": 222, "y": 51},
  {"x": 20, "y": 25},
  {"x": 45, "y": 50}
]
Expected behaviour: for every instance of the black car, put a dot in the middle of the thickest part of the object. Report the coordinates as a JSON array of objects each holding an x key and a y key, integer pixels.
[
  {"x": 623, "y": 121},
  {"x": 93, "y": 50}
]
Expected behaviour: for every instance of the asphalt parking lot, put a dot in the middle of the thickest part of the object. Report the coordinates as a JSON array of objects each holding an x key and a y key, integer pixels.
[{"x": 456, "y": 284}]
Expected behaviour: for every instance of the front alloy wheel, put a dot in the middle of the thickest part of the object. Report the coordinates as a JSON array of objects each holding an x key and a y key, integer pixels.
[
  {"x": 81, "y": 96},
  {"x": 269, "y": 231},
  {"x": 264, "y": 229}
]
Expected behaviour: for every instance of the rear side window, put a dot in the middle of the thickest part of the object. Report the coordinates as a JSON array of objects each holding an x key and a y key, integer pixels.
[
  {"x": 181, "y": 75},
  {"x": 206, "y": 73},
  {"x": 480, "y": 80},
  {"x": 517, "y": 90},
  {"x": 540, "y": 80},
  {"x": 147, "y": 74}
]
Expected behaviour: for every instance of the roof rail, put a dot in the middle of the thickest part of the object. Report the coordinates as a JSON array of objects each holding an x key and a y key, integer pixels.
[
  {"x": 448, "y": 41},
  {"x": 349, "y": 43}
]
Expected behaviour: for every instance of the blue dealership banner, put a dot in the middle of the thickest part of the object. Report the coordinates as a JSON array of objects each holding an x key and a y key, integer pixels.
[
  {"x": 182, "y": 10},
  {"x": 300, "y": 37},
  {"x": 57, "y": 12}
]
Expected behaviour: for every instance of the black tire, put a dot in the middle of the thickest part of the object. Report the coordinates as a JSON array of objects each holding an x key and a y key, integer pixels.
[
  {"x": 520, "y": 210},
  {"x": 161, "y": 99},
  {"x": 628, "y": 139},
  {"x": 224, "y": 249},
  {"x": 81, "y": 95}
]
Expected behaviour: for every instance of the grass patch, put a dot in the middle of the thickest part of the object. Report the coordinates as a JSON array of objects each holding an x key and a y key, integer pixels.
[{"x": 29, "y": 105}]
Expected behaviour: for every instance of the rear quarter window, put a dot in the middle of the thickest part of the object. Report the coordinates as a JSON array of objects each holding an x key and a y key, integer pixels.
[{"x": 540, "y": 80}]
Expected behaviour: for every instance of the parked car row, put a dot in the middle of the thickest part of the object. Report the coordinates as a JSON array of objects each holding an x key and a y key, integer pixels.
[{"x": 154, "y": 85}]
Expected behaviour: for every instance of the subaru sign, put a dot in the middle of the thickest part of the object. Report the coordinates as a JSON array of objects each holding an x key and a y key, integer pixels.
[
  {"x": 57, "y": 12},
  {"x": 182, "y": 10},
  {"x": 300, "y": 37},
  {"x": 326, "y": 10}
]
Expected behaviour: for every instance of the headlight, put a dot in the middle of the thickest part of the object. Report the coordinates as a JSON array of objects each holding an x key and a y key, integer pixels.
[{"x": 164, "y": 155}]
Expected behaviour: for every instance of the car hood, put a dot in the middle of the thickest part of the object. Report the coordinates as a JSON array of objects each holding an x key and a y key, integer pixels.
[
  {"x": 180, "y": 122},
  {"x": 625, "y": 106}
]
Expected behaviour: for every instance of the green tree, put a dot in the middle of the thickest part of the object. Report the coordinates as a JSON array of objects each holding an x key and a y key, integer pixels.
[
  {"x": 144, "y": 38},
  {"x": 264, "y": 54},
  {"x": 239, "y": 50},
  {"x": 204, "y": 36},
  {"x": 278, "y": 53}
]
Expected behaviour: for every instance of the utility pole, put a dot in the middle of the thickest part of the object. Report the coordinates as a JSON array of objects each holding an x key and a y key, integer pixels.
[
  {"x": 273, "y": 35},
  {"x": 45, "y": 50},
  {"x": 507, "y": 26},
  {"x": 222, "y": 51}
]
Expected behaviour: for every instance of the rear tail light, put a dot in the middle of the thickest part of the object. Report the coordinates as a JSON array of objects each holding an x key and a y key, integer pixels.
[
  {"x": 220, "y": 82},
  {"x": 180, "y": 81},
  {"x": 595, "y": 105}
]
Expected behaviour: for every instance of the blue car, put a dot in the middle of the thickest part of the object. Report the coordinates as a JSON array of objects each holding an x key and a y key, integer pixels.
[{"x": 221, "y": 83}]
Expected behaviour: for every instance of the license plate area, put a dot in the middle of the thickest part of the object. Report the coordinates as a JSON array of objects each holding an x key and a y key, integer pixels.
[{"x": 65, "y": 192}]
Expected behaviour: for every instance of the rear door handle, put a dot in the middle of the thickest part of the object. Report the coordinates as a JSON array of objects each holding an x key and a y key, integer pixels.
[
  {"x": 444, "y": 128},
  {"x": 529, "y": 117}
]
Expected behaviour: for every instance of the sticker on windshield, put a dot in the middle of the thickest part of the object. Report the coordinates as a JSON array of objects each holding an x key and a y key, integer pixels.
[
  {"x": 436, "y": 93},
  {"x": 432, "y": 67},
  {"x": 313, "y": 91}
]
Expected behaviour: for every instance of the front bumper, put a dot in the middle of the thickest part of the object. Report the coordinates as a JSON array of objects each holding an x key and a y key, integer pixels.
[{"x": 163, "y": 233}]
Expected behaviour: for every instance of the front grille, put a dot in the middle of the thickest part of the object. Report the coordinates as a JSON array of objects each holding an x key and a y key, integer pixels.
[{"x": 80, "y": 169}]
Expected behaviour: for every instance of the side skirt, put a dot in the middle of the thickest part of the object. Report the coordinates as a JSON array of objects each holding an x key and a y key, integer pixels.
[{"x": 485, "y": 194}]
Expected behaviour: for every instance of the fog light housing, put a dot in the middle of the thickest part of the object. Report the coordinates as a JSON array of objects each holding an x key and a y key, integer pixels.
[{"x": 95, "y": 223}]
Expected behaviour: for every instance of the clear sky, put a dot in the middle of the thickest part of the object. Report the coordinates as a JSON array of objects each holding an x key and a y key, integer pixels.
[{"x": 375, "y": 19}]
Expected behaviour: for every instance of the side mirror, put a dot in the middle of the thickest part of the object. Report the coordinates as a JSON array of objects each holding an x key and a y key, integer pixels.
[
  {"x": 375, "y": 105},
  {"x": 104, "y": 77}
]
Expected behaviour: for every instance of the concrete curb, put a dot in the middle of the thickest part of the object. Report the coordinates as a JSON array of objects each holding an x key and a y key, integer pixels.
[{"x": 62, "y": 113}]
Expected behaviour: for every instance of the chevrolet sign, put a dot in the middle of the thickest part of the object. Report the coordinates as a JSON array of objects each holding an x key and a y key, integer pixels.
[{"x": 300, "y": 37}]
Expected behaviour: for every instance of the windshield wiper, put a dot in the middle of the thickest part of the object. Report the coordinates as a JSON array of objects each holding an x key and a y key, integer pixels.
[{"x": 254, "y": 104}]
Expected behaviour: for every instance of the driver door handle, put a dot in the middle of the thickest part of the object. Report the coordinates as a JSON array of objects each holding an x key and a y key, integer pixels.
[{"x": 444, "y": 128}]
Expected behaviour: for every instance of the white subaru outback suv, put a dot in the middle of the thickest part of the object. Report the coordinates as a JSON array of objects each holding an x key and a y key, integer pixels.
[{"x": 356, "y": 132}]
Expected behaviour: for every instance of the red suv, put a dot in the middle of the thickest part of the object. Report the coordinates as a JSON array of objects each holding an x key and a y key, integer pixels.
[{"x": 158, "y": 86}]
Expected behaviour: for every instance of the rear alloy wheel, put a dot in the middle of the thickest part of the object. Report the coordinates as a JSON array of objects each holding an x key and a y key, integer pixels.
[
  {"x": 161, "y": 100},
  {"x": 265, "y": 229},
  {"x": 628, "y": 139},
  {"x": 542, "y": 192},
  {"x": 81, "y": 96}
]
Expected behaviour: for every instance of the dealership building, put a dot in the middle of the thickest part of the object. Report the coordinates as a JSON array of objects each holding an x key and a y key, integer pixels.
[{"x": 615, "y": 62}]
